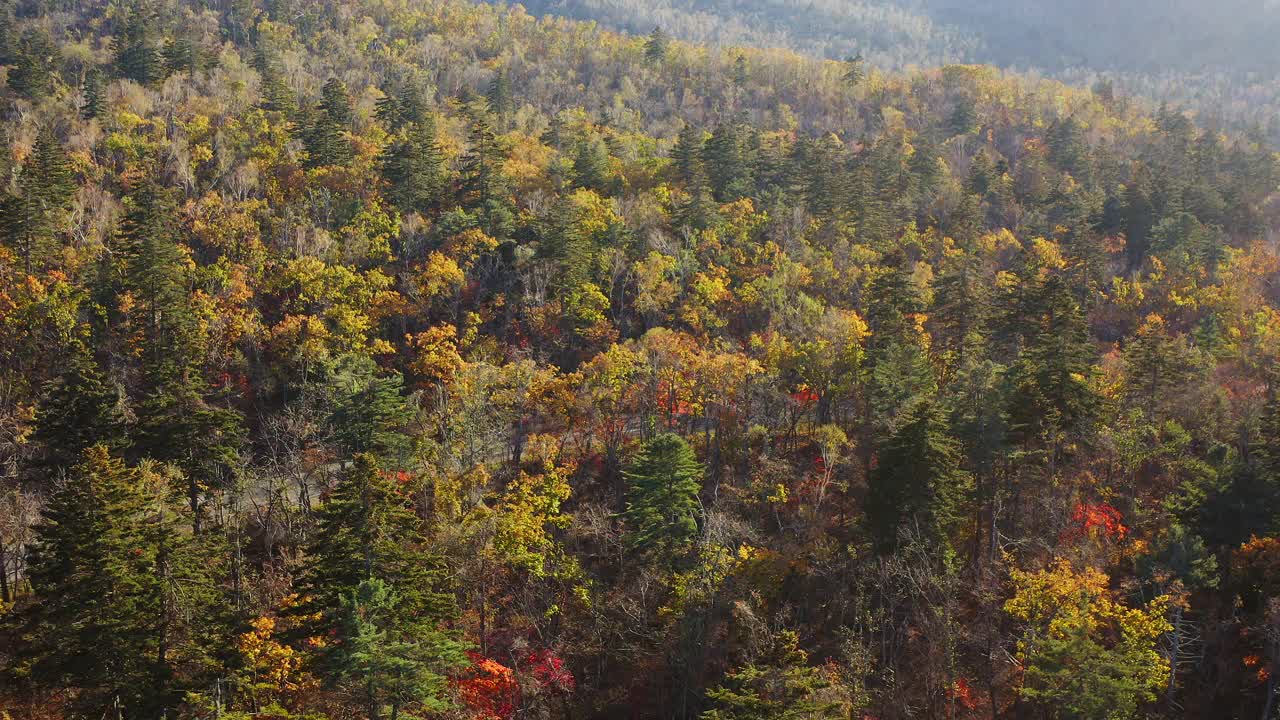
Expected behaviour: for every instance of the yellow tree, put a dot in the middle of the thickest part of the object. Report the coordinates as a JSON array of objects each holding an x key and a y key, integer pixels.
[{"x": 1083, "y": 655}]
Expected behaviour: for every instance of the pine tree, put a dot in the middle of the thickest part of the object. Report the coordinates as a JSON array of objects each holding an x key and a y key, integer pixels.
[
  {"x": 413, "y": 166},
  {"x": 655, "y": 47},
  {"x": 591, "y": 165},
  {"x": 30, "y": 217},
  {"x": 367, "y": 531},
  {"x": 95, "y": 95},
  {"x": 34, "y": 63},
  {"x": 484, "y": 184},
  {"x": 778, "y": 685},
  {"x": 686, "y": 155},
  {"x": 854, "y": 70},
  {"x": 155, "y": 275},
  {"x": 917, "y": 481},
  {"x": 393, "y": 661},
  {"x": 180, "y": 54},
  {"x": 80, "y": 409},
  {"x": 370, "y": 413},
  {"x": 135, "y": 55},
  {"x": 336, "y": 102},
  {"x": 1054, "y": 403},
  {"x": 97, "y": 595},
  {"x": 662, "y": 503},
  {"x": 500, "y": 97},
  {"x": 727, "y": 164}
]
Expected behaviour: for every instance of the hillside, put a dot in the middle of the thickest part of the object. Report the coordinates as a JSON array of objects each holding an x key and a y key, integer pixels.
[
  {"x": 430, "y": 359},
  {"x": 1217, "y": 60}
]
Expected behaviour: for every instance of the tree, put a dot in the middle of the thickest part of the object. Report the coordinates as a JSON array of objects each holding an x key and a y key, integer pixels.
[
  {"x": 93, "y": 574},
  {"x": 135, "y": 55},
  {"x": 393, "y": 661},
  {"x": 80, "y": 409},
  {"x": 655, "y": 47},
  {"x": 500, "y": 97},
  {"x": 30, "y": 217},
  {"x": 368, "y": 546},
  {"x": 484, "y": 184},
  {"x": 34, "y": 64},
  {"x": 918, "y": 482},
  {"x": 664, "y": 480},
  {"x": 854, "y": 72},
  {"x": 1085, "y": 655},
  {"x": 686, "y": 156},
  {"x": 778, "y": 685},
  {"x": 95, "y": 95},
  {"x": 1054, "y": 403},
  {"x": 413, "y": 166}
]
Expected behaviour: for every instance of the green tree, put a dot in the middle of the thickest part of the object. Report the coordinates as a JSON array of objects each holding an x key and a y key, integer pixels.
[
  {"x": 662, "y": 503},
  {"x": 484, "y": 184},
  {"x": 34, "y": 64},
  {"x": 30, "y": 217},
  {"x": 367, "y": 530},
  {"x": 413, "y": 166},
  {"x": 94, "y": 623},
  {"x": 778, "y": 685},
  {"x": 80, "y": 409},
  {"x": 393, "y": 661},
  {"x": 655, "y": 47},
  {"x": 95, "y": 95},
  {"x": 918, "y": 482},
  {"x": 135, "y": 55}
]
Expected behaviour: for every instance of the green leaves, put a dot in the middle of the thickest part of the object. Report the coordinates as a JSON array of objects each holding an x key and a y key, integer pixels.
[{"x": 663, "y": 507}]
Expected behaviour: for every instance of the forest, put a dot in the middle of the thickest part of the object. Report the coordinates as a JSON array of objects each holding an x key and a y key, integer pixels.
[
  {"x": 385, "y": 359},
  {"x": 1217, "y": 60}
]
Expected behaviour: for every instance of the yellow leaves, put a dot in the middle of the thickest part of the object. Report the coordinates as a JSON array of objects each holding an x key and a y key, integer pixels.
[
  {"x": 655, "y": 286},
  {"x": 437, "y": 358},
  {"x": 438, "y": 276}
]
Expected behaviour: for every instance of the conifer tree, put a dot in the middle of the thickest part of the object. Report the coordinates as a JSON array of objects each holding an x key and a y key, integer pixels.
[
  {"x": 1054, "y": 403},
  {"x": 662, "y": 503},
  {"x": 135, "y": 55},
  {"x": 655, "y": 47},
  {"x": 484, "y": 185},
  {"x": 727, "y": 164},
  {"x": 30, "y": 217},
  {"x": 917, "y": 481},
  {"x": 369, "y": 546},
  {"x": 95, "y": 95},
  {"x": 686, "y": 155},
  {"x": 413, "y": 166},
  {"x": 854, "y": 70},
  {"x": 778, "y": 685},
  {"x": 591, "y": 165},
  {"x": 80, "y": 409},
  {"x": 34, "y": 64},
  {"x": 500, "y": 96},
  {"x": 394, "y": 662},
  {"x": 97, "y": 596}
]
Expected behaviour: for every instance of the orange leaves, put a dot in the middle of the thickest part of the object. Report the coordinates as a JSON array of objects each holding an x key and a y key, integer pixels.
[{"x": 492, "y": 691}]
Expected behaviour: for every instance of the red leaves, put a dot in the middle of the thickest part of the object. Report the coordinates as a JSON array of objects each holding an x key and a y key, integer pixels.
[
  {"x": 549, "y": 671},
  {"x": 494, "y": 691},
  {"x": 1096, "y": 520}
]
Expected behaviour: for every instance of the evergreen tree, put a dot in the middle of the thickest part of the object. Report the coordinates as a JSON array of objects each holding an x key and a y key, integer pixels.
[
  {"x": 94, "y": 622},
  {"x": 155, "y": 275},
  {"x": 335, "y": 101},
  {"x": 591, "y": 165},
  {"x": 370, "y": 412},
  {"x": 686, "y": 155},
  {"x": 80, "y": 409},
  {"x": 95, "y": 95},
  {"x": 854, "y": 70},
  {"x": 135, "y": 55},
  {"x": 413, "y": 166},
  {"x": 1054, "y": 403},
  {"x": 30, "y": 217},
  {"x": 367, "y": 532},
  {"x": 393, "y": 661},
  {"x": 180, "y": 54},
  {"x": 662, "y": 503},
  {"x": 34, "y": 64},
  {"x": 484, "y": 184},
  {"x": 655, "y": 47},
  {"x": 727, "y": 163},
  {"x": 778, "y": 685},
  {"x": 500, "y": 96},
  {"x": 918, "y": 482}
]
